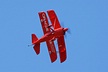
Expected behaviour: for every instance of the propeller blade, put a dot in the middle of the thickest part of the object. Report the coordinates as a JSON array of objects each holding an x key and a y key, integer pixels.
[{"x": 69, "y": 31}]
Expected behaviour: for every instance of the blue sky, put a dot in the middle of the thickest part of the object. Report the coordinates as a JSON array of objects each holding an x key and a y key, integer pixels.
[{"x": 87, "y": 45}]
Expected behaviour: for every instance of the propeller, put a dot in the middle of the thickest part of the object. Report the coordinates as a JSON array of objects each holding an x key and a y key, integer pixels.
[
  {"x": 65, "y": 30},
  {"x": 69, "y": 31}
]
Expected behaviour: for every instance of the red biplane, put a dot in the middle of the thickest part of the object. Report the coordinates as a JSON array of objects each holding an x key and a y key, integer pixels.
[{"x": 51, "y": 33}]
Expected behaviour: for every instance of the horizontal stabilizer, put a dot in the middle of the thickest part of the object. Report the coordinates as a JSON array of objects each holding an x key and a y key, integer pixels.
[{"x": 37, "y": 48}]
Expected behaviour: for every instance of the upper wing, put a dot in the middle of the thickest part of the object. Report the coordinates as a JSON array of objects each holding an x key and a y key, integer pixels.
[
  {"x": 62, "y": 48},
  {"x": 44, "y": 22},
  {"x": 51, "y": 50},
  {"x": 54, "y": 19}
]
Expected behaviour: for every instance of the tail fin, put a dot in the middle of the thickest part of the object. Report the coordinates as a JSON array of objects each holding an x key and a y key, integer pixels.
[
  {"x": 37, "y": 45},
  {"x": 34, "y": 38}
]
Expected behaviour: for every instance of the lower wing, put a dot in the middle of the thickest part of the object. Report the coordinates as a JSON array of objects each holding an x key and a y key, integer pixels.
[
  {"x": 51, "y": 50},
  {"x": 62, "y": 48}
]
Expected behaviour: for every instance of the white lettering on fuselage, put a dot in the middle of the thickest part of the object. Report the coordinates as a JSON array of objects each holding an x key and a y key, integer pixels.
[{"x": 45, "y": 22}]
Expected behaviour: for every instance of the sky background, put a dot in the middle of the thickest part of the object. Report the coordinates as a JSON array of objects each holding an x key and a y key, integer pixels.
[{"x": 87, "y": 45}]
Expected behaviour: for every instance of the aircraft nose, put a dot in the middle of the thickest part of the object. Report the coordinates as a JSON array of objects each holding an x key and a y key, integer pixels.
[{"x": 65, "y": 29}]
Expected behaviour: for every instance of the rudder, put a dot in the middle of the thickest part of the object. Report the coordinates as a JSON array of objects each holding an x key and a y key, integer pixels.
[{"x": 34, "y": 38}]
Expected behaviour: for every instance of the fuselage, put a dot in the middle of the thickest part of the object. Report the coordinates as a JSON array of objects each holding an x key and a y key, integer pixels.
[{"x": 52, "y": 35}]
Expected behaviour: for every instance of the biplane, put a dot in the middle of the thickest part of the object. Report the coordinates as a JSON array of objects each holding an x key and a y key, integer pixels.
[{"x": 52, "y": 32}]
